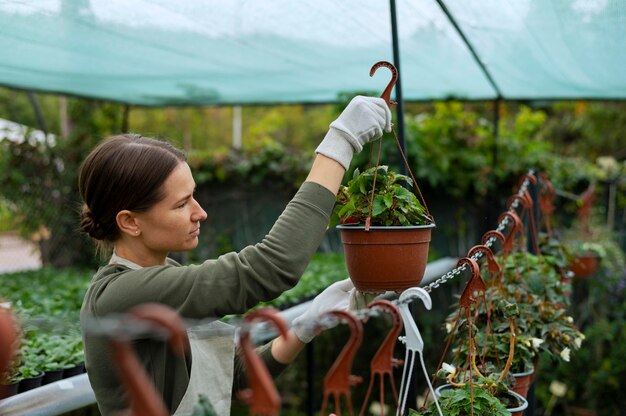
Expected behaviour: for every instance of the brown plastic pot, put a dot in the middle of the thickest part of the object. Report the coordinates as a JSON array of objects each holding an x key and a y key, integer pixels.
[
  {"x": 522, "y": 382},
  {"x": 386, "y": 258},
  {"x": 584, "y": 265}
]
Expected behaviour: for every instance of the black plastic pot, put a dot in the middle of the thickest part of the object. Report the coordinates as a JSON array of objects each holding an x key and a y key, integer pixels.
[
  {"x": 76, "y": 370},
  {"x": 51, "y": 376},
  {"x": 30, "y": 383}
]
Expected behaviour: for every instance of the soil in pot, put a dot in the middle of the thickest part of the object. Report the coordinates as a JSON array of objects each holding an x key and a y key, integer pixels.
[{"x": 386, "y": 258}]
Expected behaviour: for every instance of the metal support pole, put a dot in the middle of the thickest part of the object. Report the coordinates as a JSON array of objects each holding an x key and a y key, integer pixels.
[
  {"x": 38, "y": 114},
  {"x": 125, "y": 116},
  {"x": 399, "y": 100}
]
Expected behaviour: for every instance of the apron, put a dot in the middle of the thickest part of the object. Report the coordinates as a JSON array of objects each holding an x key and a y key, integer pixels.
[{"x": 212, "y": 358}]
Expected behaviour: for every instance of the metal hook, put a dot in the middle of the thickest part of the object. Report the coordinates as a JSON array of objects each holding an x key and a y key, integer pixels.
[
  {"x": 386, "y": 95},
  {"x": 383, "y": 362},
  {"x": 493, "y": 234},
  {"x": 414, "y": 343},
  {"x": 515, "y": 229},
  {"x": 531, "y": 178},
  {"x": 338, "y": 379},
  {"x": 474, "y": 286},
  {"x": 492, "y": 264},
  {"x": 144, "y": 399},
  {"x": 261, "y": 394}
]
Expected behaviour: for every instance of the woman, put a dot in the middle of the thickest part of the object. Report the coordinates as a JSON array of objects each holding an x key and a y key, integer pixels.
[{"x": 138, "y": 196}]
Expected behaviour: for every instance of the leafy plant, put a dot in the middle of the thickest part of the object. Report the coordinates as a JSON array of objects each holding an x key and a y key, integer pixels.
[
  {"x": 463, "y": 402},
  {"x": 534, "y": 284},
  {"x": 393, "y": 204}
]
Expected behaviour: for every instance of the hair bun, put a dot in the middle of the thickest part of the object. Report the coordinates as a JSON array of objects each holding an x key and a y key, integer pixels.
[{"x": 89, "y": 225}]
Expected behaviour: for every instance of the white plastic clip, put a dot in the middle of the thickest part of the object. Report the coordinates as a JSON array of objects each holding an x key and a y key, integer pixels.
[{"x": 414, "y": 343}]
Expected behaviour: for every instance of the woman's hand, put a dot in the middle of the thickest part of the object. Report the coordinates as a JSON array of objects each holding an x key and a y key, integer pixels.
[
  {"x": 362, "y": 121},
  {"x": 335, "y": 297}
]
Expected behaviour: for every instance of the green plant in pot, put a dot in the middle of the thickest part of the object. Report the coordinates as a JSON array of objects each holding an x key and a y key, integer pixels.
[
  {"x": 533, "y": 283},
  {"x": 474, "y": 384},
  {"x": 495, "y": 339},
  {"x": 385, "y": 230}
]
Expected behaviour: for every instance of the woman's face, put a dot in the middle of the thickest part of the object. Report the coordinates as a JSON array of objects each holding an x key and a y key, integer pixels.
[{"x": 173, "y": 224}]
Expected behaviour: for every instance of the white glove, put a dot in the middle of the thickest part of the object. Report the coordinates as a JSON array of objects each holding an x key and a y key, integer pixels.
[
  {"x": 362, "y": 121},
  {"x": 334, "y": 297}
]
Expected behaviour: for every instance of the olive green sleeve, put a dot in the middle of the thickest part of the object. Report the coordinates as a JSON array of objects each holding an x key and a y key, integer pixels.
[{"x": 234, "y": 282}]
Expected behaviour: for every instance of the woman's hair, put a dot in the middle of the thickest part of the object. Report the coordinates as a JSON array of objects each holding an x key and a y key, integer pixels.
[{"x": 123, "y": 172}]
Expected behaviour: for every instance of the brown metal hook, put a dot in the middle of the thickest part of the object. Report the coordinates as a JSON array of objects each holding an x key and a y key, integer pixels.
[
  {"x": 383, "y": 361},
  {"x": 516, "y": 228},
  {"x": 474, "y": 286},
  {"x": 528, "y": 176},
  {"x": 524, "y": 199},
  {"x": 493, "y": 234},
  {"x": 144, "y": 399},
  {"x": 261, "y": 394},
  {"x": 386, "y": 95},
  {"x": 338, "y": 379},
  {"x": 9, "y": 341},
  {"x": 492, "y": 264}
]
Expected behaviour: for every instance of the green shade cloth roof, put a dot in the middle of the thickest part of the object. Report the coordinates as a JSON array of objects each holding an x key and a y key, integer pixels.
[{"x": 209, "y": 52}]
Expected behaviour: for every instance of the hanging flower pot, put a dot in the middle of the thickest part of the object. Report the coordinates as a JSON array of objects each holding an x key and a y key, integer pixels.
[
  {"x": 386, "y": 258},
  {"x": 385, "y": 231},
  {"x": 522, "y": 382},
  {"x": 584, "y": 265}
]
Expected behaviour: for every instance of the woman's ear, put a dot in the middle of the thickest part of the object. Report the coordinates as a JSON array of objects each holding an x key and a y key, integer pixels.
[{"x": 127, "y": 223}]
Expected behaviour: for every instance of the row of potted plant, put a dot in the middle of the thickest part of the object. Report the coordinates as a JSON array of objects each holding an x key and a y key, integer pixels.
[{"x": 46, "y": 303}]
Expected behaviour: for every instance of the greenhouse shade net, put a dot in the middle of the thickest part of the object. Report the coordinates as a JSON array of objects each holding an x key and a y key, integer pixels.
[{"x": 209, "y": 52}]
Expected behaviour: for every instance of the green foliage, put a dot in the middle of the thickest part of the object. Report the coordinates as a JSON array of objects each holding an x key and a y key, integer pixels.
[
  {"x": 540, "y": 293},
  {"x": 453, "y": 149},
  {"x": 593, "y": 129},
  {"x": 39, "y": 179},
  {"x": 460, "y": 402},
  {"x": 323, "y": 270},
  {"x": 450, "y": 149},
  {"x": 392, "y": 204},
  {"x": 47, "y": 303},
  {"x": 8, "y": 221},
  {"x": 269, "y": 163}
]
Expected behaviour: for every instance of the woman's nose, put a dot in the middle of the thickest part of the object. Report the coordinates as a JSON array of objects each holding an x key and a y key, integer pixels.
[{"x": 198, "y": 214}]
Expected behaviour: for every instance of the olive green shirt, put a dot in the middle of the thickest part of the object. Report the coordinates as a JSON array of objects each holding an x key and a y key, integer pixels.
[{"x": 230, "y": 284}]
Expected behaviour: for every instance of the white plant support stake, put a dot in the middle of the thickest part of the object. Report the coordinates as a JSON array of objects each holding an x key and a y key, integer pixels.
[{"x": 414, "y": 343}]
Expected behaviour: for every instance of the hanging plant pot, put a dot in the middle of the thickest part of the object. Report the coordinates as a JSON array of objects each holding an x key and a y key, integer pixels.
[
  {"x": 584, "y": 265},
  {"x": 522, "y": 382},
  {"x": 385, "y": 258}
]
